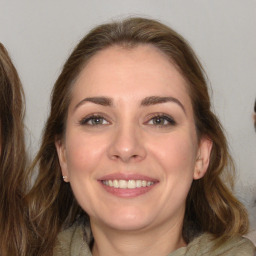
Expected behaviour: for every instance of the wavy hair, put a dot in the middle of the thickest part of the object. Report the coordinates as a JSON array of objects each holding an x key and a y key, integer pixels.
[
  {"x": 210, "y": 205},
  {"x": 13, "y": 185}
]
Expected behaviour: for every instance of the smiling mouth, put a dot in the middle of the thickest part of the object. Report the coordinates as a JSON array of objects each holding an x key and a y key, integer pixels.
[{"x": 127, "y": 184}]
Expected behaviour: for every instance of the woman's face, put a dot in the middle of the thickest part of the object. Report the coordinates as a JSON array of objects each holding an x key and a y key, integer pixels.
[{"x": 130, "y": 150}]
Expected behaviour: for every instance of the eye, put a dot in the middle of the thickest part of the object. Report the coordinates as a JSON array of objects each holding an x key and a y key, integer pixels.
[
  {"x": 94, "y": 120},
  {"x": 161, "y": 120}
]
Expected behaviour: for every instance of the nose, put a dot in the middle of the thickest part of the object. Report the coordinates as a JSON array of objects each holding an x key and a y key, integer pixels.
[{"x": 127, "y": 145}]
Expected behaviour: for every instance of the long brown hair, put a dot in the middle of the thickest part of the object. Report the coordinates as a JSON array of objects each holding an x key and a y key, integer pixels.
[
  {"x": 211, "y": 207},
  {"x": 13, "y": 228}
]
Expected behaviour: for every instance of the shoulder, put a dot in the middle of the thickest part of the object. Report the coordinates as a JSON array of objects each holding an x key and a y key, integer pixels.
[
  {"x": 207, "y": 245},
  {"x": 73, "y": 241}
]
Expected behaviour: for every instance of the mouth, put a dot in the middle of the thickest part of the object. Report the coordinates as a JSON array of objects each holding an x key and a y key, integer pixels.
[{"x": 127, "y": 184}]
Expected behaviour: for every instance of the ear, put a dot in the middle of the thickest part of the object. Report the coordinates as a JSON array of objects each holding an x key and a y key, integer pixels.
[
  {"x": 61, "y": 151},
  {"x": 203, "y": 158}
]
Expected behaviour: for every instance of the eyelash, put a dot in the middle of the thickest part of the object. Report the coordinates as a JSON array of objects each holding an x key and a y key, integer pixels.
[
  {"x": 162, "y": 117},
  {"x": 86, "y": 120}
]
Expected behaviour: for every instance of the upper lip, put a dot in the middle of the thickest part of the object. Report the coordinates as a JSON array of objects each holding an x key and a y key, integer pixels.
[{"x": 127, "y": 176}]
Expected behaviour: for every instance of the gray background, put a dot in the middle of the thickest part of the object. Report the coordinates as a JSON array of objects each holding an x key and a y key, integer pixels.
[{"x": 39, "y": 36}]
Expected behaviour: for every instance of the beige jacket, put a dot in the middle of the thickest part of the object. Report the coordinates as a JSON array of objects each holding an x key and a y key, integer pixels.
[{"x": 74, "y": 242}]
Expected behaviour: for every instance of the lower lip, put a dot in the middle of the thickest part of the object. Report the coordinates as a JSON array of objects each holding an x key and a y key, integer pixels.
[{"x": 128, "y": 193}]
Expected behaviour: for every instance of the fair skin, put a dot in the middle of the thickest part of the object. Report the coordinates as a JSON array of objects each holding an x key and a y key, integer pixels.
[{"x": 130, "y": 123}]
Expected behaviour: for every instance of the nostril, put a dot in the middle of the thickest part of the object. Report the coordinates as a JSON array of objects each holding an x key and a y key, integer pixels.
[
  {"x": 126, "y": 157},
  {"x": 125, "y": 146},
  {"x": 114, "y": 157}
]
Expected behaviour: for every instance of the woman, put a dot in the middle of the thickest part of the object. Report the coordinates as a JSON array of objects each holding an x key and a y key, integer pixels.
[
  {"x": 131, "y": 157},
  {"x": 13, "y": 231}
]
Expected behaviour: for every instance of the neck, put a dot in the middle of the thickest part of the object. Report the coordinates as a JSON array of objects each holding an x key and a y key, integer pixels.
[{"x": 161, "y": 240}]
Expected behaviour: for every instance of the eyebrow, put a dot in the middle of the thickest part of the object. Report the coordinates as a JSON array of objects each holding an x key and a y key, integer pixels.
[
  {"x": 153, "y": 100},
  {"x": 148, "y": 101},
  {"x": 103, "y": 101}
]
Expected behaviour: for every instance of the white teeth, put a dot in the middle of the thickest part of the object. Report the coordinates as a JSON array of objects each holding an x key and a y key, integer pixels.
[
  {"x": 122, "y": 183},
  {"x": 130, "y": 184},
  {"x": 115, "y": 184},
  {"x": 143, "y": 183},
  {"x": 138, "y": 183}
]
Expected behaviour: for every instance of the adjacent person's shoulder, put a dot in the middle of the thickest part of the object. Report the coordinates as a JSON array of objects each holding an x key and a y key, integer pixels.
[{"x": 72, "y": 241}]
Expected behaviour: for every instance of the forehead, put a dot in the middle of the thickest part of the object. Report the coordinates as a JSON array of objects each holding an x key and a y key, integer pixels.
[{"x": 139, "y": 70}]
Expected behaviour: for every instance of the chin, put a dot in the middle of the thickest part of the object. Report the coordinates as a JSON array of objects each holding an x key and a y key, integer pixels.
[
  {"x": 127, "y": 225},
  {"x": 125, "y": 219}
]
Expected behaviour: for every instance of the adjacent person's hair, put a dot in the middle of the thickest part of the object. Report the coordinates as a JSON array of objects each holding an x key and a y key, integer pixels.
[
  {"x": 13, "y": 228},
  {"x": 254, "y": 116},
  {"x": 210, "y": 205}
]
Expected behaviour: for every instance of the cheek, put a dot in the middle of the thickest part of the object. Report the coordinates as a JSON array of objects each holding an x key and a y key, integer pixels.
[
  {"x": 83, "y": 153},
  {"x": 175, "y": 156},
  {"x": 176, "y": 153}
]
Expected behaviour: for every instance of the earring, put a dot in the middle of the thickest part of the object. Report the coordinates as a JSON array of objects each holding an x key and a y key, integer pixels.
[{"x": 64, "y": 178}]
